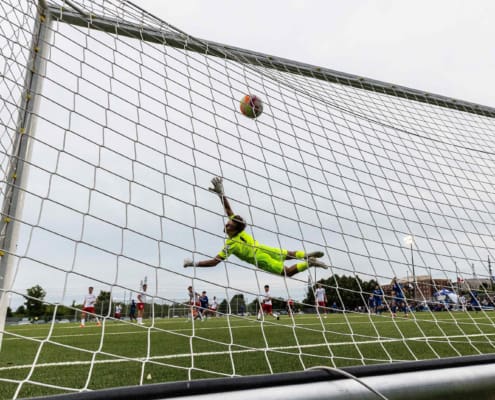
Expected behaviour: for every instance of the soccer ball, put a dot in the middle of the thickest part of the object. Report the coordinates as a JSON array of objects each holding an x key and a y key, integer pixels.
[{"x": 251, "y": 106}]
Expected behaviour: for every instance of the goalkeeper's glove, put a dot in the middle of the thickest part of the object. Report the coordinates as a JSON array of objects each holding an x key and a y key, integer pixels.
[
  {"x": 188, "y": 263},
  {"x": 217, "y": 183}
]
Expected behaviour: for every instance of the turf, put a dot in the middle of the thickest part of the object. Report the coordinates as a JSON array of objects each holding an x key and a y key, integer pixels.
[{"x": 37, "y": 360}]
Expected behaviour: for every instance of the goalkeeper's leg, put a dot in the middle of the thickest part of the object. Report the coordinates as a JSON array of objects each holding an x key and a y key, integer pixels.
[
  {"x": 282, "y": 254},
  {"x": 301, "y": 254}
]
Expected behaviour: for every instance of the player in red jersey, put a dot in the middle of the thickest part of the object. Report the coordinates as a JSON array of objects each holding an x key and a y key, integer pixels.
[{"x": 89, "y": 303}]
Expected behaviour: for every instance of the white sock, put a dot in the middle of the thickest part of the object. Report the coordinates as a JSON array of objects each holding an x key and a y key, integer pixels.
[
  {"x": 139, "y": 320},
  {"x": 83, "y": 321}
]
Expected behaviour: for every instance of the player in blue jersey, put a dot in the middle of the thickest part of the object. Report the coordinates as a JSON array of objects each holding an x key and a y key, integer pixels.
[
  {"x": 378, "y": 299},
  {"x": 204, "y": 304}
]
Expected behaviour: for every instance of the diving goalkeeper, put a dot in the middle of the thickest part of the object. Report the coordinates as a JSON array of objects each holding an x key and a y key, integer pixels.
[{"x": 243, "y": 245}]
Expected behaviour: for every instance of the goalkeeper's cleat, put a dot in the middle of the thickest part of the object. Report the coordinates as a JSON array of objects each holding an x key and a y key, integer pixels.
[
  {"x": 313, "y": 262},
  {"x": 315, "y": 254}
]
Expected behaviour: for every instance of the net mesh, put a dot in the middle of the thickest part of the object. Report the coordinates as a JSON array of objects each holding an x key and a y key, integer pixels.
[{"x": 126, "y": 120}]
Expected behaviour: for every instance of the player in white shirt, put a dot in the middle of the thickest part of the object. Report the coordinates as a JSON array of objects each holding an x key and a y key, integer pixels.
[
  {"x": 214, "y": 306},
  {"x": 118, "y": 311},
  {"x": 266, "y": 304},
  {"x": 89, "y": 303},
  {"x": 194, "y": 304},
  {"x": 463, "y": 302},
  {"x": 321, "y": 300}
]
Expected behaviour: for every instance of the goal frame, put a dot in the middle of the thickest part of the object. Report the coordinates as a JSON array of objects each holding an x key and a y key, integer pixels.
[
  {"x": 79, "y": 18},
  {"x": 17, "y": 169},
  {"x": 470, "y": 376}
]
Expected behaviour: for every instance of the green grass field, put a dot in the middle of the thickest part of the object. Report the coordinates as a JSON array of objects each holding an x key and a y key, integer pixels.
[{"x": 121, "y": 354}]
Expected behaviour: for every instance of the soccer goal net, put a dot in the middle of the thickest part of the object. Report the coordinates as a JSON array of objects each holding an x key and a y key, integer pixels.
[{"x": 114, "y": 123}]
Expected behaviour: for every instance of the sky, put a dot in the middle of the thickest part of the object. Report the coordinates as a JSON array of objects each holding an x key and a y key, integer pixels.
[{"x": 442, "y": 47}]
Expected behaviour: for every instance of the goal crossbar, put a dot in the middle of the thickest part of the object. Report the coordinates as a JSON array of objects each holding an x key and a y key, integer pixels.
[{"x": 186, "y": 42}]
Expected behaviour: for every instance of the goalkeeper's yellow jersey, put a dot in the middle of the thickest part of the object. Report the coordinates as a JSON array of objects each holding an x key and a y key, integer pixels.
[{"x": 241, "y": 245}]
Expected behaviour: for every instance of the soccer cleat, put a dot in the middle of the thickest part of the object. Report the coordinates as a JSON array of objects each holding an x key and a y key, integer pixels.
[
  {"x": 315, "y": 254},
  {"x": 98, "y": 323},
  {"x": 313, "y": 262},
  {"x": 81, "y": 326}
]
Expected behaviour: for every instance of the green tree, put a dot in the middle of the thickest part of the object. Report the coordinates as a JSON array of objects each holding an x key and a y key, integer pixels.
[
  {"x": 62, "y": 312},
  {"x": 103, "y": 303},
  {"x": 9, "y": 312},
  {"x": 237, "y": 304},
  {"x": 35, "y": 307},
  {"x": 160, "y": 310},
  {"x": 254, "y": 306},
  {"x": 223, "y": 307},
  {"x": 20, "y": 311},
  {"x": 278, "y": 303}
]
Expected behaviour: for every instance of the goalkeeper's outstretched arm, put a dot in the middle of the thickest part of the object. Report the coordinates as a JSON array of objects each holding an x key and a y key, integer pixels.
[
  {"x": 226, "y": 205},
  {"x": 212, "y": 262},
  {"x": 217, "y": 188}
]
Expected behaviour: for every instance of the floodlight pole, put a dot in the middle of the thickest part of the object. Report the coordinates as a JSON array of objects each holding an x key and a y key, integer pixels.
[
  {"x": 409, "y": 240},
  {"x": 490, "y": 272},
  {"x": 413, "y": 271}
]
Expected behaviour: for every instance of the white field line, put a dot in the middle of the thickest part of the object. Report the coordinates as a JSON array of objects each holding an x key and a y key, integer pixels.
[{"x": 215, "y": 353}]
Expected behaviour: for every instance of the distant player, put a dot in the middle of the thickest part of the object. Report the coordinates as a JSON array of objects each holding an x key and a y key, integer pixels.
[
  {"x": 378, "y": 299},
  {"x": 141, "y": 301},
  {"x": 393, "y": 308},
  {"x": 321, "y": 300},
  {"x": 204, "y": 304},
  {"x": 243, "y": 245},
  {"x": 213, "y": 307},
  {"x": 132, "y": 311},
  {"x": 398, "y": 296},
  {"x": 463, "y": 302},
  {"x": 475, "y": 302},
  {"x": 118, "y": 311},
  {"x": 89, "y": 303},
  {"x": 194, "y": 304},
  {"x": 398, "y": 291},
  {"x": 267, "y": 305},
  {"x": 290, "y": 307},
  {"x": 371, "y": 304}
]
